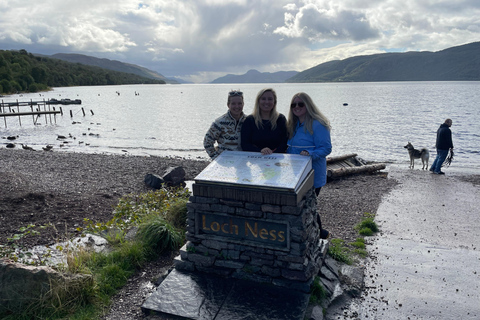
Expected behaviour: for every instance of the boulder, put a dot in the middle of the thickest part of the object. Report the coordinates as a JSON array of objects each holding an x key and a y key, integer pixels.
[
  {"x": 153, "y": 181},
  {"x": 23, "y": 286},
  {"x": 174, "y": 176}
]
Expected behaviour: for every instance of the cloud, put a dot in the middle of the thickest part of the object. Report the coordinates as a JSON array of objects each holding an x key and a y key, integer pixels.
[
  {"x": 320, "y": 23},
  {"x": 202, "y": 39}
]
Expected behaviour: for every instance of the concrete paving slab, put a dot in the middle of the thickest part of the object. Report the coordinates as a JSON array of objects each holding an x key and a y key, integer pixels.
[
  {"x": 204, "y": 296},
  {"x": 425, "y": 264}
]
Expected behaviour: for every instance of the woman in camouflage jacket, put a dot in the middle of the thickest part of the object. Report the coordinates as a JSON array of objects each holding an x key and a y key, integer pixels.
[{"x": 225, "y": 130}]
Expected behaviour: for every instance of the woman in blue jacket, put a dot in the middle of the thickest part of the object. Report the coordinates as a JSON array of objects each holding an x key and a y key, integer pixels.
[{"x": 309, "y": 135}]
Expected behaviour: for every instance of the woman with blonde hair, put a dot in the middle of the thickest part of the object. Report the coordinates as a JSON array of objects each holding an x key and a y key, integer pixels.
[
  {"x": 309, "y": 135},
  {"x": 265, "y": 130}
]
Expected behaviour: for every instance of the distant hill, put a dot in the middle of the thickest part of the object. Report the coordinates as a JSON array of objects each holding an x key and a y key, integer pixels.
[
  {"x": 461, "y": 63},
  {"x": 113, "y": 65},
  {"x": 24, "y": 72},
  {"x": 254, "y": 76}
]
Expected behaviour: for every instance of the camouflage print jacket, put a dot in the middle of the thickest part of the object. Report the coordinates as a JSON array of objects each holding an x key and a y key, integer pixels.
[{"x": 225, "y": 130}]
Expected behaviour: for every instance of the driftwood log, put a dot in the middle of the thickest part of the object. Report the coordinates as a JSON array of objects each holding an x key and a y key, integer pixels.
[
  {"x": 332, "y": 173},
  {"x": 341, "y": 158}
]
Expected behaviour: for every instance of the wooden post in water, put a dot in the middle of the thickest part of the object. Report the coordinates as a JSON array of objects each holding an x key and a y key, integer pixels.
[
  {"x": 50, "y": 115},
  {"x": 31, "y": 109},
  {"x": 83, "y": 112},
  {"x": 3, "y": 111},
  {"x": 18, "y": 109},
  {"x": 71, "y": 114},
  {"x": 44, "y": 109}
]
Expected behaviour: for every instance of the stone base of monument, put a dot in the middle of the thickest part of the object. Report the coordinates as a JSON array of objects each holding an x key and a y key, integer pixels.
[
  {"x": 194, "y": 295},
  {"x": 254, "y": 234}
]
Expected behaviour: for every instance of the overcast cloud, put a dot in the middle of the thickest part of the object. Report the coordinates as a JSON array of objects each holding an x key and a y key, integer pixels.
[{"x": 200, "y": 40}]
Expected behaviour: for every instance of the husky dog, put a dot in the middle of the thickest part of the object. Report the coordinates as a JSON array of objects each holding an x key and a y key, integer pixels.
[{"x": 417, "y": 154}]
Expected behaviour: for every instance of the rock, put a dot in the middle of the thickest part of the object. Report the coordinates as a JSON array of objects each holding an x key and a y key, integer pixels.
[
  {"x": 317, "y": 313},
  {"x": 344, "y": 283},
  {"x": 153, "y": 181},
  {"x": 25, "y": 286},
  {"x": 174, "y": 176}
]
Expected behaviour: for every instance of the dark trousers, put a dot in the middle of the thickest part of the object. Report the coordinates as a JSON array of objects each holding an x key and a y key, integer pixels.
[{"x": 437, "y": 163}]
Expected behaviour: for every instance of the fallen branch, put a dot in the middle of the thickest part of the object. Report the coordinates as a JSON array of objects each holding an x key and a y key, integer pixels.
[
  {"x": 340, "y": 158},
  {"x": 332, "y": 173}
]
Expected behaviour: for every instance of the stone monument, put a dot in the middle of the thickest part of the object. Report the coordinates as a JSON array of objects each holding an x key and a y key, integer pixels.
[
  {"x": 252, "y": 236},
  {"x": 254, "y": 217}
]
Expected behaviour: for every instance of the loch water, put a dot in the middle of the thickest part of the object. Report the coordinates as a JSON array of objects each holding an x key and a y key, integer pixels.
[{"x": 374, "y": 120}]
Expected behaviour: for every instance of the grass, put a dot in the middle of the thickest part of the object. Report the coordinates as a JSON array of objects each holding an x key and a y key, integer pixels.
[
  {"x": 317, "y": 293},
  {"x": 338, "y": 251},
  {"x": 367, "y": 227},
  {"x": 160, "y": 217},
  {"x": 346, "y": 253}
]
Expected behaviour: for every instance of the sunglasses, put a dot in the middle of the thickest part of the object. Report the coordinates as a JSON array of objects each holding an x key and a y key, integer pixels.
[
  {"x": 300, "y": 104},
  {"x": 235, "y": 93}
]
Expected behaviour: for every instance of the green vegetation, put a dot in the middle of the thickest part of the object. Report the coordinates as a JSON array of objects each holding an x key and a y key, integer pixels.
[
  {"x": 338, "y": 251},
  {"x": 345, "y": 253},
  {"x": 359, "y": 247},
  {"x": 317, "y": 293},
  {"x": 21, "y": 71},
  {"x": 160, "y": 218},
  {"x": 367, "y": 227}
]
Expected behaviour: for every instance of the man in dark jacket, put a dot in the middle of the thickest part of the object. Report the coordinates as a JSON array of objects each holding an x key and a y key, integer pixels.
[{"x": 443, "y": 145}]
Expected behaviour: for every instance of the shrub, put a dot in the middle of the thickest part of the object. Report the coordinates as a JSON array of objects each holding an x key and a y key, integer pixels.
[
  {"x": 158, "y": 235},
  {"x": 177, "y": 213}
]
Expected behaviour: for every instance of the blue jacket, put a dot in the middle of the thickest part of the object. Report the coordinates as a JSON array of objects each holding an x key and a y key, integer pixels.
[{"x": 318, "y": 146}]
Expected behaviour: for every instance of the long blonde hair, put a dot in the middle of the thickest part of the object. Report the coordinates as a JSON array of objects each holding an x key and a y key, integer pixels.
[
  {"x": 313, "y": 113},
  {"x": 273, "y": 114}
]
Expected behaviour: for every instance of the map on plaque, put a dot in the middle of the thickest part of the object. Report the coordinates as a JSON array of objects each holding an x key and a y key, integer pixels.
[{"x": 252, "y": 169}]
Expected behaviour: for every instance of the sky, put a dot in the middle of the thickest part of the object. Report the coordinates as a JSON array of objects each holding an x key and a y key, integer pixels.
[{"x": 201, "y": 40}]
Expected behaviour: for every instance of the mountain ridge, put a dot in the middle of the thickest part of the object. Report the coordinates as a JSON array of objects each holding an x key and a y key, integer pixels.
[
  {"x": 459, "y": 63},
  {"x": 113, "y": 65},
  {"x": 255, "y": 76}
]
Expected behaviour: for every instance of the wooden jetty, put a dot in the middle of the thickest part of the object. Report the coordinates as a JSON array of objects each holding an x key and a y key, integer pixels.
[
  {"x": 37, "y": 109},
  {"x": 41, "y": 102},
  {"x": 349, "y": 164}
]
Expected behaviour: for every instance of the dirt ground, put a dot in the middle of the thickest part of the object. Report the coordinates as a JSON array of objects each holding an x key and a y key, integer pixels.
[{"x": 59, "y": 190}]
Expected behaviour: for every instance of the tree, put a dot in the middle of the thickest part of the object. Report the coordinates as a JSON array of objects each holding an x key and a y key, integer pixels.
[
  {"x": 33, "y": 88},
  {"x": 39, "y": 74},
  {"x": 6, "y": 86}
]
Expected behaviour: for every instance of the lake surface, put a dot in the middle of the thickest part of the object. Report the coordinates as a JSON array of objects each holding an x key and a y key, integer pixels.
[{"x": 171, "y": 120}]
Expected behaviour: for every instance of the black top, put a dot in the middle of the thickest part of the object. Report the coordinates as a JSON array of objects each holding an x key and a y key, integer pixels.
[
  {"x": 255, "y": 139},
  {"x": 444, "y": 138}
]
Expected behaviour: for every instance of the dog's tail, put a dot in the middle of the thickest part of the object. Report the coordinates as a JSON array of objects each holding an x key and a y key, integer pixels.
[{"x": 425, "y": 151}]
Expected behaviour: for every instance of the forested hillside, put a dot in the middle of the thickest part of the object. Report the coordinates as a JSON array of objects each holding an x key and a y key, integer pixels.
[
  {"x": 110, "y": 65},
  {"x": 21, "y": 71},
  {"x": 460, "y": 63}
]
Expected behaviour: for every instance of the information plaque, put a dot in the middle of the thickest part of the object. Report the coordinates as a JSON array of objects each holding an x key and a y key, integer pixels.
[{"x": 254, "y": 170}]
